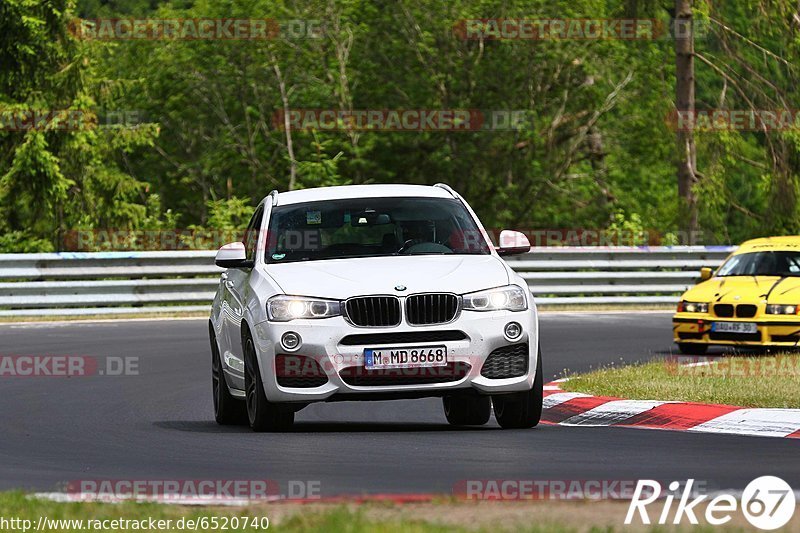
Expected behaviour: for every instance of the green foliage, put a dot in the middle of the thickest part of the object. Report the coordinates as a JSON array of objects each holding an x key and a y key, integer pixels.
[
  {"x": 596, "y": 151},
  {"x": 19, "y": 242},
  {"x": 230, "y": 213},
  {"x": 156, "y": 218},
  {"x": 628, "y": 230},
  {"x": 322, "y": 170},
  {"x": 62, "y": 174}
]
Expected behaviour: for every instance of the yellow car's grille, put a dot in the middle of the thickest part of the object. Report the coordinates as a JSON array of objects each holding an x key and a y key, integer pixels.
[
  {"x": 740, "y": 311},
  {"x": 723, "y": 310},
  {"x": 746, "y": 310}
]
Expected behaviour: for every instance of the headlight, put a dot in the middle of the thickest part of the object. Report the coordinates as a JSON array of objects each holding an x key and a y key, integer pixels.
[
  {"x": 511, "y": 298},
  {"x": 781, "y": 309},
  {"x": 692, "y": 307},
  {"x": 285, "y": 308}
]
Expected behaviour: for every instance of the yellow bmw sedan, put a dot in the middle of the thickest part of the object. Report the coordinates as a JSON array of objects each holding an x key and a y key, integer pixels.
[{"x": 753, "y": 299}]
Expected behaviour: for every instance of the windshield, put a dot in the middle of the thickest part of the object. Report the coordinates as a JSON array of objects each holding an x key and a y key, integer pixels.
[
  {"x": 371, "y": 227},
  {"x": 782, "y": 263}
]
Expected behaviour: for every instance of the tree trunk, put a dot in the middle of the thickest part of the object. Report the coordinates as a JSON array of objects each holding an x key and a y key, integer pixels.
[
  {"x": 286, "y": 124},
  {"x": 684, "y": 102},
  {"x": 597, "y": 158}
]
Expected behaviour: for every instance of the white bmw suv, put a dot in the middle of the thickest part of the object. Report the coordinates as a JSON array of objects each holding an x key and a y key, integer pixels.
[{"x": 373, "y": 292}]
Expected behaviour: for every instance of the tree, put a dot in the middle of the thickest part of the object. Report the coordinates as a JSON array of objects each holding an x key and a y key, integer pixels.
[
  {"x": 685, "y": 103},
  {"x": 65, "y": 172}
]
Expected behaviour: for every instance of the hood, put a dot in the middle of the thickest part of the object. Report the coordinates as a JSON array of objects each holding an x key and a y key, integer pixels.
[
  {"x": 342, "y": 278},
  {"x": 747, "y": 289}
]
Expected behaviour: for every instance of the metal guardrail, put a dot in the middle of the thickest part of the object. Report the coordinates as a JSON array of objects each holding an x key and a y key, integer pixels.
[
  {"x": 151, "y": 282},
  {"x": 611, "y": 276}
]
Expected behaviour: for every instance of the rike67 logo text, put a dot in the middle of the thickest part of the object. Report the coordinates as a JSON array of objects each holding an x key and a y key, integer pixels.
[{"x": 767, "y": 503}]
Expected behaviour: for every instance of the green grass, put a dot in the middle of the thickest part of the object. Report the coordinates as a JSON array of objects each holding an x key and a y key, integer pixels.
[
  {"x": 337, "y": 518},
  {"x": 381, "y": 517},
  {"x": 444, "y": 515},
  {"x": 746, "y": 381},
  {"x": 346, "y": 520},
  {"x": 20, "y": 505}
]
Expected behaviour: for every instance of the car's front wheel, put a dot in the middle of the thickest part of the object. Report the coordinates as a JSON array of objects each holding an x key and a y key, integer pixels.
[
  {"x": 467, "y": 410},
  {"x": 227, "y": 409},
  {"x": 521, "y": 409},
  {"x": 692, "y": 348},
  {"x": 262, "y": 414}
]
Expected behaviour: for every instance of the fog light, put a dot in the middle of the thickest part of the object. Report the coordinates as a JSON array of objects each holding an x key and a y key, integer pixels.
[
  {"x": 291, "y": 341},
  {"x": 512, "y": 331}
]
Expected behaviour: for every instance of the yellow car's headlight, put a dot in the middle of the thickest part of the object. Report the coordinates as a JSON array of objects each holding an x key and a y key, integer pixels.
[
  {"x": 692, "y": 307},
  {"x": 781, "y": 309}
]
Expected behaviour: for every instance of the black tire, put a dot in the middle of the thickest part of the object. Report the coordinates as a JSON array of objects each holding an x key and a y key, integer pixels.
[
  {"x": 467, "y": 410},
  {"x": 262, "y": 414},
  {"x": 521, "y": 410},
  {"x": 228, "y": 411},
  {"x": 692, "y": 348}
]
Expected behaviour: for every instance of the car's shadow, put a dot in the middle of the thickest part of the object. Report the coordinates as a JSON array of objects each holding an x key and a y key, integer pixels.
[
  {"x": 209, "y": 426},
  {"x": 199, "y": 426},
  {"x": 377, "y": 427}
]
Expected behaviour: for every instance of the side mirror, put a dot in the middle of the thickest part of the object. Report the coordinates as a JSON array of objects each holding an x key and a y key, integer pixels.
[
  {"x": 233, "y": 255},
  {"x": 513, "y": 243},
  {"x": 705, "y": 273}
]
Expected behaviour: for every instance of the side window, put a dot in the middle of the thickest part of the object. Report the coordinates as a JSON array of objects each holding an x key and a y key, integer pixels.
[{"x": 251, "y": 234}]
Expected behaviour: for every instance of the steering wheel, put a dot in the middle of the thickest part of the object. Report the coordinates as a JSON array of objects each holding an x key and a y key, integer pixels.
[
  {"x": 408, "y": 244},
  {"x": 420, "y": 246}
]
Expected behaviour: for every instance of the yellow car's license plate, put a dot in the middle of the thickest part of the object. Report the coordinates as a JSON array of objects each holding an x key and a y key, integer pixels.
[{"x": 734, "y": 327}]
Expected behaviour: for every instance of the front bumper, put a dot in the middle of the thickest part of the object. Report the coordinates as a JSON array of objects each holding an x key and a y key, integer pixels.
[
  {"x": 321, "y": 340},
  {"x": 777, "y": 330}
]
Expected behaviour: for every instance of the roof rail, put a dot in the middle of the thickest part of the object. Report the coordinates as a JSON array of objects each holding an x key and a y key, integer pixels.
[
  {"x": 447, "y": 188},
  {"x": 274, "y": 195}
]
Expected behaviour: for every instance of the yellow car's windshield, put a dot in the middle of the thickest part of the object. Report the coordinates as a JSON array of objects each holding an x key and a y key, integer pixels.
[{"x": 775, "y": 263}]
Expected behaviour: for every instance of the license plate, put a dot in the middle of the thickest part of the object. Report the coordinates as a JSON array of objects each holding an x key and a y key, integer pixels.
[
  {"x": 416, "y": 357},
  {"x": 734, "y": 327}
]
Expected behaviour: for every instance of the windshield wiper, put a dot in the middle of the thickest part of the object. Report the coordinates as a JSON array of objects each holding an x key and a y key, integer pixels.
[{"x": 428, "y": 253}]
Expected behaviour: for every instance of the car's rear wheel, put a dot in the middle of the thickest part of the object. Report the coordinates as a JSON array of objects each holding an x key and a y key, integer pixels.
[
  {"x": 692, "y": 348},
  {"x": 262, "y": 414},
  {"x": 227, "y": 409},
  {"x": 522, "y": 409},
  {"x": 467, "y": 410}
]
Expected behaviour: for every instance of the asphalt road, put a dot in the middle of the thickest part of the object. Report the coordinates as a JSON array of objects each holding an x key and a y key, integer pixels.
[{"x": 158, "y": 424}]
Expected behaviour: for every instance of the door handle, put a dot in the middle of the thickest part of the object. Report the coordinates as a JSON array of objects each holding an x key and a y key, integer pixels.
[
  {"x": 224, "y": 276},
  {"x": 229, "y": 284}
]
